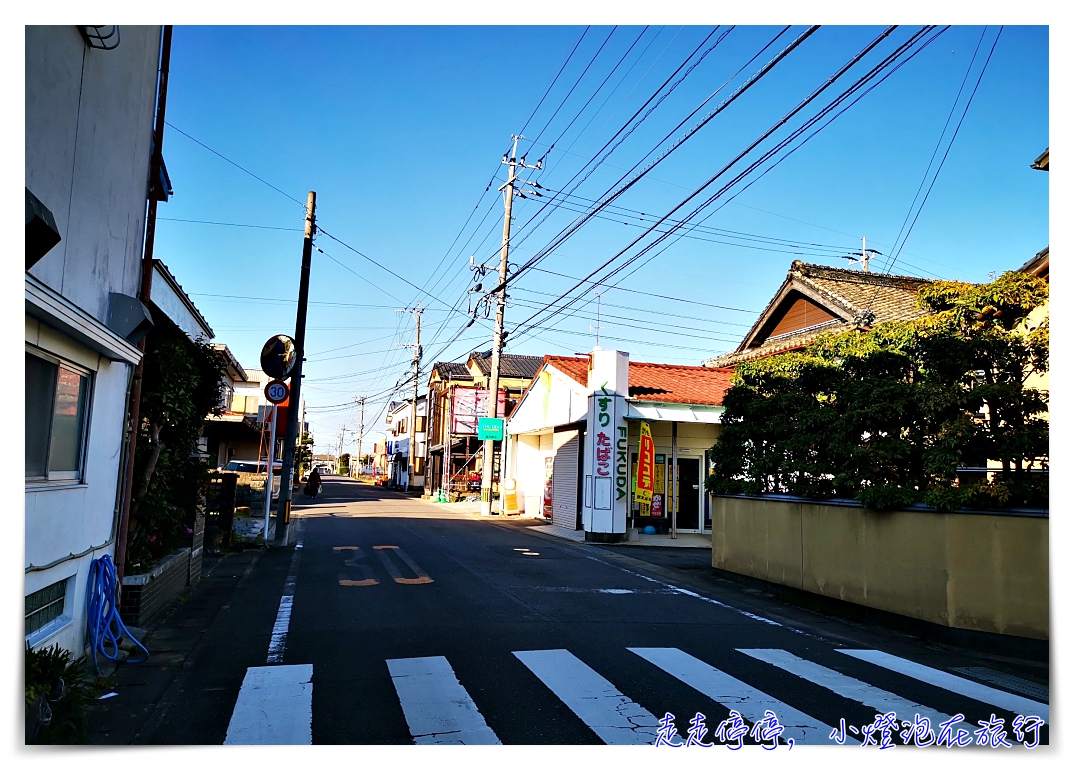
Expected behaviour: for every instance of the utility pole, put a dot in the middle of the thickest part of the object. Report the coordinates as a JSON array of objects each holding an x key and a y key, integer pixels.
[
  {"x": 283, "y": 511},
  {"x": 413, "y": 449},
  {"x": 361, "y": 432},
  {"x": 489, "y": 448}
]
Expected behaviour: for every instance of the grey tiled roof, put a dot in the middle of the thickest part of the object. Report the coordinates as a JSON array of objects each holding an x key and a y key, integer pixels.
[
  {"x": 450, "y": 370},
  {"x": 522, "y": 367},
  {"x": 848, "y": 294}
]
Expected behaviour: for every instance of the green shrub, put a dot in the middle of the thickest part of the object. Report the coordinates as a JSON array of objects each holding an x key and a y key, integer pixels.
[
  {"x": 887, "y": 415},
  {"x": 58, "y": 691}
]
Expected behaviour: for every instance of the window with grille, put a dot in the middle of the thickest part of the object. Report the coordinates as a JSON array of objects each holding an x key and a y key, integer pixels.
[
  {"x": 44, "y": 606},
  {"x": 57, "y": 402}
]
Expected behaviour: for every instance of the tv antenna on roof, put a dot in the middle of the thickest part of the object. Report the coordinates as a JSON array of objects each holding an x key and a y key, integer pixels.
[
  {"x": 598, "y": 327},
  {"x": 866, "y": 255}
]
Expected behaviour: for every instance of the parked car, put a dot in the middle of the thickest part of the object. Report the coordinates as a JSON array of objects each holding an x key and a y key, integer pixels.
[{"x": 258, "y": 467}]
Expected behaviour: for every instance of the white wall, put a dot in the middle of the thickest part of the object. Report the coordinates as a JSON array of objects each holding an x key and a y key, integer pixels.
[
  {"x": 89, "y": 128},
  {"x": 65, "y": 520},
  {"x": 89, "y": 123}
]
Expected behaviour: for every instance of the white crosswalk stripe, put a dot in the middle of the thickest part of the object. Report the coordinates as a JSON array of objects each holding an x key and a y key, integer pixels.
[
  {"x": 437, "y": 708},
  {"x": 275, "y": 706},
  {"x": 614, "y": 717},
  {"x": 723, "y": 688},
  {"x": 952, "y": 683},
  {"x": 853, "y": 689}
]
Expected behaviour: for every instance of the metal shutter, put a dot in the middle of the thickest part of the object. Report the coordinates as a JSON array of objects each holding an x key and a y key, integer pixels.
[{"x": 565, "y": 479}]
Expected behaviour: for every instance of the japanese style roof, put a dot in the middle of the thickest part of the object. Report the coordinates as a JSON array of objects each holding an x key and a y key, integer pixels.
[
  {"x": 1038, "y": 265},
  {"x": 450, "y": 370},
  {"x": 521, "y": 367},
  {"x": 815, "y": 299},
  {"x": 1041, "y": 163},
  {"x": 664, "y": 383}
]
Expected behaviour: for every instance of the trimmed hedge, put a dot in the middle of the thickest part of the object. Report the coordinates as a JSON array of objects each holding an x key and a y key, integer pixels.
[{"x": 887, "y": 415}]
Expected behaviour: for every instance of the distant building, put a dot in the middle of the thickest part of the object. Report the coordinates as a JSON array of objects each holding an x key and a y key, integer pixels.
[{"x": 399, "y": 417}]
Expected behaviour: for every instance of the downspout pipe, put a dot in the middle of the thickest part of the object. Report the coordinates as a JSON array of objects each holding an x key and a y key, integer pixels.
[{"x": 144, "y": 295}]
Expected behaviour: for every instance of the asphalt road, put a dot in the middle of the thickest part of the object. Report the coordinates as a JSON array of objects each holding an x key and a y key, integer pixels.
[{"x": 395, "y": 622}]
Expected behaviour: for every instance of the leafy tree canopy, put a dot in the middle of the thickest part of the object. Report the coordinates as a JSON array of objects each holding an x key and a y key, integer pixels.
[{"x": 889, "y": 415}]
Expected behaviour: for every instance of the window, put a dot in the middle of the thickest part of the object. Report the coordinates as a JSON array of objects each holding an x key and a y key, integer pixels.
[
  {"x": 46, "y": 605},
  {"x": 57, "y": 401}
]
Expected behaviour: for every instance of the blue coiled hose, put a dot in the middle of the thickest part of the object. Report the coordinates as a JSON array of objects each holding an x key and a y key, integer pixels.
[{"x": 105, "y": 626}]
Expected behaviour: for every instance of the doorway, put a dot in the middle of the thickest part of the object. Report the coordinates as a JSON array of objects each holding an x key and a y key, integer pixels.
[{"x": 688, "y": 494}]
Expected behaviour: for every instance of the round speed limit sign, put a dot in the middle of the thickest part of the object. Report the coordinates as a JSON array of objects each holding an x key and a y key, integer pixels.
[{"x": 276, "y": 392}]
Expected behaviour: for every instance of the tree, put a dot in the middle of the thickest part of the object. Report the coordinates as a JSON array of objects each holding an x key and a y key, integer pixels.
[
  {"x": 182, "y": 382},
  {"x": 888, "y": 415}
]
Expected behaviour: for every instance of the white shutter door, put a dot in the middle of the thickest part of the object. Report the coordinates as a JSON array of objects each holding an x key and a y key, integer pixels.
[{"x": 565, "y": 479}]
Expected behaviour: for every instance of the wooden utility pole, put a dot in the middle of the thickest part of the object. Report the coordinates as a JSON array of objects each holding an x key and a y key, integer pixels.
[
  {"x": 413, "y": 449},
  {"x": 489, "y": 448},
  {"x": 283, "y": 510},
  {"x": 361, "y": 432}
]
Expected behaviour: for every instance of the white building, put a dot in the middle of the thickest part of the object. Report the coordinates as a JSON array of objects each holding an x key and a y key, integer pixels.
[
  {"x": 398, "y": 436},
  {"x": 89, "y": 131},
  {"x": 572, "y": 444}
]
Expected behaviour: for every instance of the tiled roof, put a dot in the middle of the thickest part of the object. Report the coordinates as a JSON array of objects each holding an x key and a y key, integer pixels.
[
  {"x": 848, "y": 294},
  {"x": 575, "y": 368},
  {"x": 450, "y": 370},
  {"x": 521, "y": 367},
  {"x": 665, "y": 383}
]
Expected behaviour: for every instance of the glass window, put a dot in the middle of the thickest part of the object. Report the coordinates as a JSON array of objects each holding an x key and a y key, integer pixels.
[
  {"x": 57, "y": 398},
  {"x": 40, "y": 383}
]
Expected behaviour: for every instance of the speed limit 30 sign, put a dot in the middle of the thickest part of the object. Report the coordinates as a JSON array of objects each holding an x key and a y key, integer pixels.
[{"x": 276, "y": 392}]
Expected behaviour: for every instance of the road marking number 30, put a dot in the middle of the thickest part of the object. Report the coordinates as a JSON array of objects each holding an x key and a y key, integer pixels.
[{"x": 356, "y": 561}]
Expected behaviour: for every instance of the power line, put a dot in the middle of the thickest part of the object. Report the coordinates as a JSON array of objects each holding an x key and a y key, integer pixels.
[
  {"x": 809, "y": 99},
  {"x": 659, "y": 97},
  {"x": 229, "y": 224},
  {"x": 571, "y": 91},
  {"x": 750, "y": 82},
  {"x": 552, "y": 82},
  {"x": 236, "y": 165},
  {"x": 950, "y": 144}
]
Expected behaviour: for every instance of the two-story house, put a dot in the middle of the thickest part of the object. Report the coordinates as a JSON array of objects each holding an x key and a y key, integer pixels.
[
  {"x": 402, "y": 419},
  {"x": 89, "y": 136}
]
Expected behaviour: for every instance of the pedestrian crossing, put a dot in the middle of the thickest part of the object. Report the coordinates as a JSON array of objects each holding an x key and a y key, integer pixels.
[{"x": 439, "y": 709}]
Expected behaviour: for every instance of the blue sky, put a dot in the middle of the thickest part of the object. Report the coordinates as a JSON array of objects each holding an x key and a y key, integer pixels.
[{"x": 399, "y": 131}]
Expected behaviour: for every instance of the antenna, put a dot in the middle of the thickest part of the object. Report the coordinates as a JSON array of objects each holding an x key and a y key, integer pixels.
[
  {"x": 598, "y": 327},
  {"x": 863, "y": 259}
]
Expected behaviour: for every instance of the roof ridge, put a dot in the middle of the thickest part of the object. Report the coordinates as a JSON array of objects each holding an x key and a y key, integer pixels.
[{"x": 808, "y": 268}]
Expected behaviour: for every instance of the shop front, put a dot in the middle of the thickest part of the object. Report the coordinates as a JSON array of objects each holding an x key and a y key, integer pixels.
[{"x": 573, "y": 445}]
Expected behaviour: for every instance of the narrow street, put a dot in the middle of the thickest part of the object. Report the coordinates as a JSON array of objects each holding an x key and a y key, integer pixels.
[{"x": 395, "y": 622}]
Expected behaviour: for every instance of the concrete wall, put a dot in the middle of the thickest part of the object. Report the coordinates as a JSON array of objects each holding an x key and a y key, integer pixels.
[
  {"x": 977, "y": 571},
  {"x": 88, "y": 134},
  {"x": 89, "y": 130}
]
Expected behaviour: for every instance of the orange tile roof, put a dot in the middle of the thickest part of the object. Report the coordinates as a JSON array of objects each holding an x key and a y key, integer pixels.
[{"x": 666, "y": 383}]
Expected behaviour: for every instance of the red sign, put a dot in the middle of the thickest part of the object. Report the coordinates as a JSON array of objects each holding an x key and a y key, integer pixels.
[{"x": 643, "y": 487}]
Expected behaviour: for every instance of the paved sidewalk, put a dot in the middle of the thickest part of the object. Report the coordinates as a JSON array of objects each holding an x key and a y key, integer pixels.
[{"x": 141, "y": 688}]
